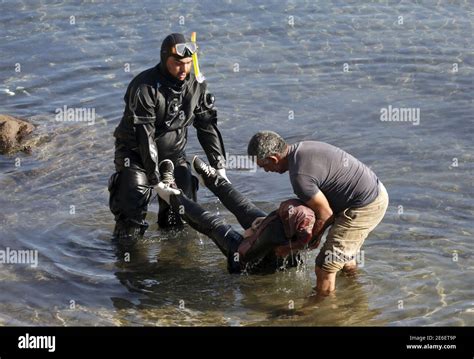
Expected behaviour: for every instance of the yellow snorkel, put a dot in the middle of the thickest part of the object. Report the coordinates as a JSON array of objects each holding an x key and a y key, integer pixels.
[{"x": 199, "y": 76}]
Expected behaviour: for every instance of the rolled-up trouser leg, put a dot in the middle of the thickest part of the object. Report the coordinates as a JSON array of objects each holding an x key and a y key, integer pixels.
[
  {"x": 240, "y": 206},
  {"x": 225, "y": 238},
  {"x": 188, "y": 184},
  {"x": 130, "y": 194}
]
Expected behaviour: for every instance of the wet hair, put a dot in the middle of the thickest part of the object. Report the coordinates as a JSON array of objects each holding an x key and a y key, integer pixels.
[{"x": 266, "y": 143}]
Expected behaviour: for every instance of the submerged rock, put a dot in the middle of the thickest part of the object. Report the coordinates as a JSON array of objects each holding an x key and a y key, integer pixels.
[{"x": 13, "y": 134}]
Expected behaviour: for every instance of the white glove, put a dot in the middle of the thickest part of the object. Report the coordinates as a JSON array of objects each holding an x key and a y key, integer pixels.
[
  {"x": 165, "y": 191},
  {"x": 222, "y": 173}
]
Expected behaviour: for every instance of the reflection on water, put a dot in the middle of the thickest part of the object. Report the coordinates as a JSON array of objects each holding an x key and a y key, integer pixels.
[{"x": 418, "y": 263}]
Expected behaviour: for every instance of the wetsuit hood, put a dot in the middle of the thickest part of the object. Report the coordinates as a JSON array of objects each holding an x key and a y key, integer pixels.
[{"x": 166, "y": 51}]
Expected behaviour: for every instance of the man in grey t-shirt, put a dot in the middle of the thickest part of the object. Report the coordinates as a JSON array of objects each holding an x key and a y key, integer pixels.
[{"x": 343, "y": 192}]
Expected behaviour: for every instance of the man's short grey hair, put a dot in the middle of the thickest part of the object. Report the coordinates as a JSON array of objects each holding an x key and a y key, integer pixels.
[{"x": 266, "y": 143}]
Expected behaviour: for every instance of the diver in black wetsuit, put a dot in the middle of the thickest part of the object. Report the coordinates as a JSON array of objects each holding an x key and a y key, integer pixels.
[{"x": 160, "y": 104}]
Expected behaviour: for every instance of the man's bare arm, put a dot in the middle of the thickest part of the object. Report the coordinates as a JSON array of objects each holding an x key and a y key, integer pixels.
[{"x": 324, "y": 215}]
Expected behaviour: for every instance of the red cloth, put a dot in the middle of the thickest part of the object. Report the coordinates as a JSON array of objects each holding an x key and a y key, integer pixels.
[{"x": 298, "y": 220}]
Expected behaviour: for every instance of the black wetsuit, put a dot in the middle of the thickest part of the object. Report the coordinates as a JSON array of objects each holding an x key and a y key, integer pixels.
[{"x": 158, "y": 111}]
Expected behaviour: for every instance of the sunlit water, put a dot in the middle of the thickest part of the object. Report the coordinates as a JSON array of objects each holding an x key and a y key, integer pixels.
[{"x": 418, "y": 266}]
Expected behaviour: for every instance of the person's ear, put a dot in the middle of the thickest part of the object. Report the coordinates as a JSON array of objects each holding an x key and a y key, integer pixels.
[{"x": 274, "y": 159}]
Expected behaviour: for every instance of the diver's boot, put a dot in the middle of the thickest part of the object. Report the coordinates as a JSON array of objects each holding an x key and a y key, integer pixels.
[{"x": 128, "y": 232}]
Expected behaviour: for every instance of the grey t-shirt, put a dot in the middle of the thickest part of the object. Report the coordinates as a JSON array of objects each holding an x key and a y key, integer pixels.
[{"x": 343, "y": 179}]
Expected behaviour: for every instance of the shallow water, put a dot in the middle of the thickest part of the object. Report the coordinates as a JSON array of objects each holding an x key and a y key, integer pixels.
[{"x": 419, "y": 264}]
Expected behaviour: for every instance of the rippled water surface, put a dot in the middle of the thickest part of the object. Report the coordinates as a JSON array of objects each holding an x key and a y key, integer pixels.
[{"x": 290, "y": 57}]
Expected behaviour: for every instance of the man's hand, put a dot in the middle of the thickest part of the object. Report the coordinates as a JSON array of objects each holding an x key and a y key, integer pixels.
[{"x": 222, "y": 173}]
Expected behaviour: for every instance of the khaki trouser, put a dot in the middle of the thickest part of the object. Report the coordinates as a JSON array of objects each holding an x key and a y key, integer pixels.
[{"x": 348, "y": 232}]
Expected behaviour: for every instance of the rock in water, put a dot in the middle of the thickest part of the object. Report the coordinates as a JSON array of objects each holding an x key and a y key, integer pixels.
[{"x": 13, "y": 132}]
